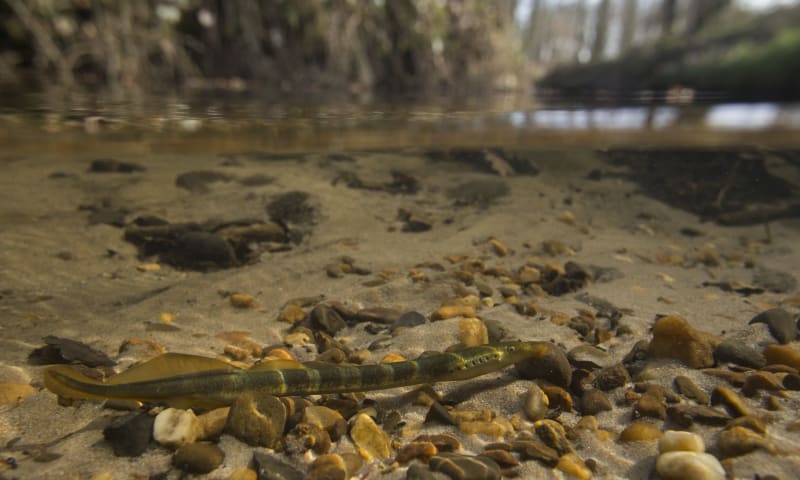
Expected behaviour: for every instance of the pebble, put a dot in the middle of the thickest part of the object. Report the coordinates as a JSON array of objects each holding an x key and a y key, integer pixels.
[
  {"x": 739, "y": 440},
  {"x": 758, "y": 381},
  {"x": 421, "y": 472},
  {"x": 422, "y": 451},
  {"x": 673, "y": 337},
  {"x": 466, "y": 467},
  {"x": 212, "y": 423},
  {"x": 292, "y": 314},
  {"x": 327, "y": 467},
  {"x": 535, "y": 404},
  {"x": 304, "y": 436},
  {"x": 574, "y": 466},
  {"x": 243, "y": 473},
  {"x": 373, "y": 442},
  {"x": 491, "y": 429},
  {"x": 689, "y": 465},
  {"x": 257, "y": 422},
  {"x": 472, "y": 332},
  {"x": 325, "y": 418},
  {"x": 243, "y": 300},
  {"x": 780, "y": 322},
  {"x": 553, "y": 435},
  {"x": 558, "y": 398},
  {"x": 589, "y": 357},
  {"x": 734, "y": 351},
  {"x": 327, "y": 319},
  {"x": 13, "y": 393},
  {"x": 438, "y": 413},
  {"x": 640, "y": 432},
  {"x": 502, "y": 457},
  {"x": 129, "y": 435},
  {"x": 528, "y": 274},
  {"x": 782, "y": 355},
  {"x": 536, "y": 450},
  {"x": 553, "y": 367},
  {"x": 496, "y": 330},
  {"x": 650, "y": 405},
  {"x": 198, "y": 457},
  {"x": 612, "y": 377},
  {"x": 680, "y": 441},
  {"x": 201, "y": 250},
  {"x": 269, "y": 467},
  {"x": 442, "y": 441},
  {"x": 685, "y": 415},
  {"x": 593, "y": 402},
  {"x": 735, "y": 404},
  {"x": 791, "y": 381},
  {"x": 451, "y": 311},
  {"x": 409, "y": 320},
  {"x": 175, "y": 427},
  {"x": 689, "y": 389}
]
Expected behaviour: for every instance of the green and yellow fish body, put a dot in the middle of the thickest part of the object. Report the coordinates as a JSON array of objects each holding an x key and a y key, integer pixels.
[{"x": 194, "y": 381}]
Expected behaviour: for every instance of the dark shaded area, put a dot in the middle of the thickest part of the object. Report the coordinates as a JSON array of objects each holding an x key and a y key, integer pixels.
[
  {"x": 64, "y": 350},
  {"x": 756, "y": 61},
  {"x": 207, "y": 246},
  {"x": 731, "y": 187}
]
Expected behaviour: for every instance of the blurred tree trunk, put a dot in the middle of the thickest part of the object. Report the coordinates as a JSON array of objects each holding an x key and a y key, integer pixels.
[
  {"x": 700, "y": 12},
  {"x": 533, "y": 34},
  {"x": 629, "y": 13},
  {"x": 580, "y": 24},
  {"x": 600, "y": 30},
  {"x": 668, "y": 16}
]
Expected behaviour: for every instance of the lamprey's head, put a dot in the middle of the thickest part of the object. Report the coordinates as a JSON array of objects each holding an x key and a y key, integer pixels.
[{"x": 519, "y": 351}]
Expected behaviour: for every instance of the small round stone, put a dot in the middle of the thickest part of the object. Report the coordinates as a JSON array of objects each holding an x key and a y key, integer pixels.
[
  {"x": 685, "y": 465},
  {"x": 680, "y": 441},
  {"x": 558, "y": 397},
  {"x": 212, "y": 423},
  {"x": 243, "y": 473},
  {"x": 422, "y": 451},
  {"x": 553, "y": 435},
  {"x": 450, "y": 311},
  {"x": 243, "y": 300},
  {"x": 739, "y": 353},
  {"x": 611, "y": 377},
  {"x": 536, "y": 403},
  {"x": 732, "y": 401},
  {"x": 129, "y": 434},
  {"x": 174, "y": 427},
  {"x": 574, "y": 466},
  {"x": 198, "y": 457},
  {"x": 650, "y": 405},
  {"x": 640, "y": 432},
  {"x": 373, "y": 442},
  {"x": 593, "y": 402}
]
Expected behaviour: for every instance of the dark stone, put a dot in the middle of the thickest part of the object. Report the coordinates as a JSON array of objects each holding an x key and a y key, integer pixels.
[
  {"x": 574, "y": 278},
  {"x": 198, "y": 457},
  {"x": 409, "y": 319},
  {"x": 198, "y": 180},
  {"x": 439, "y": 414},
  {"x": 465, "y": 467},
  {"x": 291, "y": 207},
  {"x": 129, "y": 435},
  {"x": 593, "y": 402},
  {"x": 553, "y": 367},
  {"x": 327, "y": 319},
  {"x": 791, "y": 381},
  {"x": 650, "y": 405},
  {"x": 270, "y": 467},
  {"x": 420, "y": 472},
  {"x": 589, "y": 357},
  {"x": 536, "y": 450},
  {"x": 780, "y": 322},
  {"x": 386, "y": 316},
  {"x": 734, "y": 351},
  {"x": 685, "y": 415},
  {"x": 774, "y": 281},
  {"x": 109, "y": 165},
  {"x": 64, "y": 350},
  {"x": 202, "y": 250},
  {"x": 612, "y": 377},
  {"x": 256, "y": 180},
  {"x": 479, "y": 193}
]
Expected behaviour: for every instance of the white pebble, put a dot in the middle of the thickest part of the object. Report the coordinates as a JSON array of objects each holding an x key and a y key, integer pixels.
[
  {"x": 679, "y": 441},
  {"x": 173, "y": 427},
  {"x": 685, "y": 465}
]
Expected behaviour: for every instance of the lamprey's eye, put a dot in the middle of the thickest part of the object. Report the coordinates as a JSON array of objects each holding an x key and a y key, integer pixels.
[{"x": 511, "y": 348}]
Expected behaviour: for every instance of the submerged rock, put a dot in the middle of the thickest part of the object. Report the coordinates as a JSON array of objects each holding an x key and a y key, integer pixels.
[
  {"x": 673, "y": 337},
  {"x": 780, "y": 322}
]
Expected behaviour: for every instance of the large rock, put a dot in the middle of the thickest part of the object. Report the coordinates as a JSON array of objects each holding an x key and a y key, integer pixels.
[{"x": 673, "y": 337}]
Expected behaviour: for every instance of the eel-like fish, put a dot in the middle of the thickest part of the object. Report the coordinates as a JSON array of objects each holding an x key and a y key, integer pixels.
[{"x": 186, "y": 381}]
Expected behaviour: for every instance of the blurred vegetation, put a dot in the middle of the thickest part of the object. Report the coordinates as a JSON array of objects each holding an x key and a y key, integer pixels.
[
  {"x": 746, "y": 58},
  {"x": 275, "y": 46}
]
